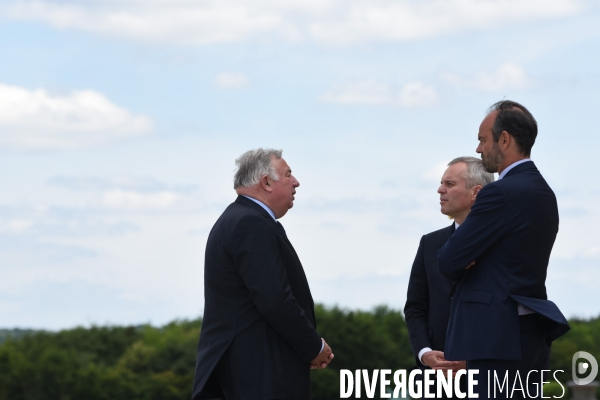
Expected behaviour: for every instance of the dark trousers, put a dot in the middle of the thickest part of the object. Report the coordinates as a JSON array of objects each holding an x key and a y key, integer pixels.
[{"x": 522, "y": 374}]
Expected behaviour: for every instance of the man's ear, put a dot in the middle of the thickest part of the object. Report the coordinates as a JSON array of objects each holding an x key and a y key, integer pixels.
[
  {"x": 476, "y": 190},
  {"x": 505, "y": 140},
  {"x": 265, "y": 183}
]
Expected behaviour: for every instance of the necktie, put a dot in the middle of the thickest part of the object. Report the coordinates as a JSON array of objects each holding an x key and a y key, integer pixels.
[{"x": 281, "y": 229}]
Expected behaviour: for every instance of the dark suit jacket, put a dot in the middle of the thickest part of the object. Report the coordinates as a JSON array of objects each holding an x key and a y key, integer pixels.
[
  {"x": 510, "y": 232},
  {"x": 427, "y": 300},
  {"x": 258, "y": 331}
]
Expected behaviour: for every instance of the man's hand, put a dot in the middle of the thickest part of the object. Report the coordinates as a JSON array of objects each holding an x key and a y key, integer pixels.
[
  {"x": 435, "y": 360},
  {"x": 461, "y": 365},
  {"x": 324, "y": 357}
]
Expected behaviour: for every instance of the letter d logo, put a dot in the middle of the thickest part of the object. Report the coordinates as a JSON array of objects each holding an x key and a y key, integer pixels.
[{"x": 583, "y": 367}]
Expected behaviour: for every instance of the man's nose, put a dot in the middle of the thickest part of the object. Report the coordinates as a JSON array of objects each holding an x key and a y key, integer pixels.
[{"x": 296, "y": 183}]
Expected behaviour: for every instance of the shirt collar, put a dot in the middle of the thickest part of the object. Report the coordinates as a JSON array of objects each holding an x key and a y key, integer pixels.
[
  {"x": 456, "y": 225},
  {"x": 263, "y": 205},
  {"x": 511, "y": 166}
]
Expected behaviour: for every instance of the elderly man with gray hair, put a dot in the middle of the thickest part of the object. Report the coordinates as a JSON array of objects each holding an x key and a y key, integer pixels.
[
  {"x": 428, "y": 298},
  {"x": 258, "y": 338}
]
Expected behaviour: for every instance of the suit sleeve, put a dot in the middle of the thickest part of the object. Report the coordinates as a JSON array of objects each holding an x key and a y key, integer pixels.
[
  {"x": 416, "y": 310},
  {"x": 484, "y": 226},
  {"x": 259, "y": 262}
]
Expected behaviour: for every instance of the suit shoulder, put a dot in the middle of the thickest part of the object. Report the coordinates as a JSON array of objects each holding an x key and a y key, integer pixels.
[
  {"x": 436, "y": 234},
  {"x": 494, "y": 192},
  {"x": 527, "y": 181},
  {"x": 248, "y": 218},
  {"x": 240, "y": 223},
  {"x": 239, "y": 215},
  {"x": 236, "y": 211},
  {"x": 495, "y": 187}
]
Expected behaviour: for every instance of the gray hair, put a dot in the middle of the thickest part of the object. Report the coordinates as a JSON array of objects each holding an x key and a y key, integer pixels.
[
  {"x": 253, "y": 165},
  {"x": 476, "y": 173}
]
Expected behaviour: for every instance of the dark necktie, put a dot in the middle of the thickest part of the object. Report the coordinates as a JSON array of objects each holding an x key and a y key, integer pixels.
[{"x": 281, "y": 229}]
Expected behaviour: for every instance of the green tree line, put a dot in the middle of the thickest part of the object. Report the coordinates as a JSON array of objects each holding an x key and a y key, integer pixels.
[{"x": 148, "y": 363}]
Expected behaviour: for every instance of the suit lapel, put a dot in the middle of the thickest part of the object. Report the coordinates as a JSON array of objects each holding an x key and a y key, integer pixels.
[
  {"x": 449, "y": 231},
  {"x": 443, "y": 239},
  {"x": 247, "y": 202},
  {"x": 284, "y": 236}
]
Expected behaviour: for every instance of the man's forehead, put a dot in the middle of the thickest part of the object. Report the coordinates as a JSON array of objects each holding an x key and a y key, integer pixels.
[
  {"x": 280, "y": 163},
  {"x": 488, "y": 122},
  {"x": 454, "y": 172}
]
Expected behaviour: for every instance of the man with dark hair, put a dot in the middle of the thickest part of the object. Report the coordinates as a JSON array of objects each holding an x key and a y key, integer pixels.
[
  {"x": 500, "y": 319},
  {"x": 508, "y": 116},
  {"x": 518, "y": 119},
  {"x": 428, "y": 297},
  {"x": 258, "y": 338}
]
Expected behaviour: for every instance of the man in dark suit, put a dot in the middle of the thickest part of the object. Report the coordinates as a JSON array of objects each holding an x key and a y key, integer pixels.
[
  {"x": 500, "y": 319},
  {"x": 428, "y": 297},
  {"x": 258, "y": 338}
]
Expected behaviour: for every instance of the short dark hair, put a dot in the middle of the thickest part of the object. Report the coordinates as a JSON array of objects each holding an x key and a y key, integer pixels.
[{"x": 515, "y": 119}]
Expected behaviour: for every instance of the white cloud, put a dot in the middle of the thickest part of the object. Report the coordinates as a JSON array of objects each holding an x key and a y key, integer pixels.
[
  {"x": 227, "y": 80},
  {"x": 35, "y": 119},
  {"x": 179, "y": 21},
  {"x": 122, "y": 199},
  {"x": 372, "y": 92},
  {"x": 16, "y": 225},
  {"x": 417, "y": 94},
  {"x": 328, "y": 21},
  {"x": 123, "y": 192},
  {"x": 359, "y": 21},
  {"x": 506, "y": 76}
]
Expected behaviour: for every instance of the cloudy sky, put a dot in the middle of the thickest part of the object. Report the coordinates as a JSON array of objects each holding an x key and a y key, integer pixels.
[{"x": 120, "y": 122}]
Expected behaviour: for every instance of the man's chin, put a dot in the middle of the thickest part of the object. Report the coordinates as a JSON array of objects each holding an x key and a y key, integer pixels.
[{"x": 490, "y": 168}]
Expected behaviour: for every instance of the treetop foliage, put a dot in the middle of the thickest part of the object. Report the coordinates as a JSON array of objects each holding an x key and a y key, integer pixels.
[{"x": 150, "y": 363}]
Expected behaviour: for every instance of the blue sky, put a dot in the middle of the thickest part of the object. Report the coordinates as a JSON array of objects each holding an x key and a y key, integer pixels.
[{"x": 120, "y": 122}]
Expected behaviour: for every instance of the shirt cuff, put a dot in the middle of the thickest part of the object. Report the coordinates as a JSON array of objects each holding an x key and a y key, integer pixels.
[
  {"x": 522, "y": 310},
  {"x": 425, "y": 350},
  {"x": 322, "y": 346}
]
